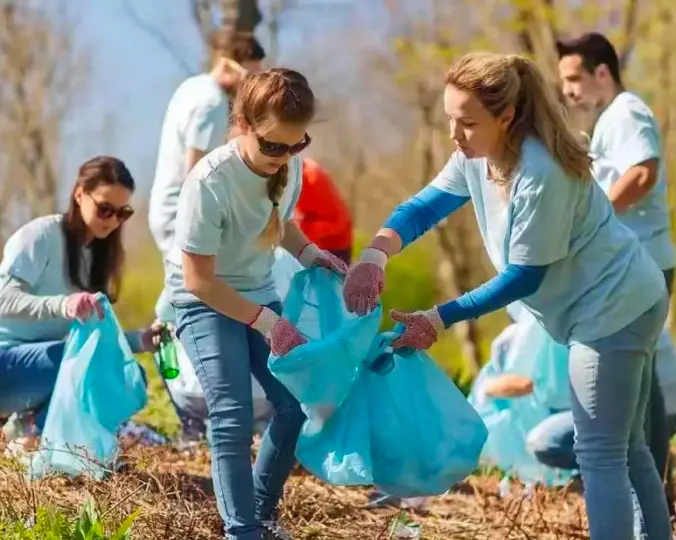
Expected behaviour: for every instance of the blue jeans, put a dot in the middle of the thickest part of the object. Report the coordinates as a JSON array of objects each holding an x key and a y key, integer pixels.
[
  {"x": 27, "y": 377},
  {"x": 551, "y": 441},
  {"x": 225, "y": 353},
  {"x": 610, "y": 386}
]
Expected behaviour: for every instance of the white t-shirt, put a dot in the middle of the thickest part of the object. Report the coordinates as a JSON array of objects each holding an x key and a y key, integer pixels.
[
  {"x": 599, "y": 278},
  {"x": 625, "y": 135},
  {"x": 222, "y": 209},
  {"x": 197, "y": 117}
]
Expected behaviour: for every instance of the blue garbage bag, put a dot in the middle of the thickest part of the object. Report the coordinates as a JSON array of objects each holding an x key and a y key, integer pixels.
[
  {"x": 98, "y": 387},
  {"x": 536, "y": 355},
  {"x": 526, "y": 349},
  {"x": 320, "y": 374},
  {"x": 375, "y": 415},
  {"x": 286, "y": 266}
]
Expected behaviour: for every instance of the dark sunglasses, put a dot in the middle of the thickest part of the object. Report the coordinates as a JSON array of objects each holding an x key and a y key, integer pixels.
[
  {"x": 106, "y": 210},
  {"x": 275, "y": 149}
]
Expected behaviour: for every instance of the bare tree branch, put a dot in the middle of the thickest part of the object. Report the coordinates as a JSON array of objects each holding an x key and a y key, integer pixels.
[
  {"x": 159, "y": 35},
  {"x": 629, "y": 32},
  {"x": 202, "y": 14},
  {"x": 40, "y": 75}
]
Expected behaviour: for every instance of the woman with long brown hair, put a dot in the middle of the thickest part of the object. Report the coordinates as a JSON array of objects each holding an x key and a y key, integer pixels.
[
  {"x": 560, "y": 250},
  {"x": 51, "y": 270}
]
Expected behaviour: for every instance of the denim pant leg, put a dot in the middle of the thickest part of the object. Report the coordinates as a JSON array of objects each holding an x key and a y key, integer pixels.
[
  {"x": 219, "y": 350},
  {"x": 610, "y": 384},
  {"x": 277, "y": 453},
  {"x": 655, "y": 425},
  {"x": 551, "y": 441},
  {"x": 657, "y": 431},
  {"x": 225, "y": 353},
  {"x": 27, "y": 377}
]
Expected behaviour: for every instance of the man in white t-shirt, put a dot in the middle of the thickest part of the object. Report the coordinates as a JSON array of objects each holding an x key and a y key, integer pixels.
[
  {"x": 629, "y": 166},
  {"x": 195, "y": 123}
]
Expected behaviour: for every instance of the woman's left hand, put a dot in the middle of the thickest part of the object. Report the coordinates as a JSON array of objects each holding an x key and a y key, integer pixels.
[
  {"x": 151, "y": 336},
  {"x": 311, "y": 255},
  {"x": 422, "y": 328}
]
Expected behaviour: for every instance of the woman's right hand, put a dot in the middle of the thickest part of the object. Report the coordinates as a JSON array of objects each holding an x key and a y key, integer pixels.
[
  {"x": 280, "y": 334},
  {"x": 365, "y": 282},
  {"x": 81, "y": 306}
]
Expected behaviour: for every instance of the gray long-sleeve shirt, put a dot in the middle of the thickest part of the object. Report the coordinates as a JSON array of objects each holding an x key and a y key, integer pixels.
[{"x": 17, "y": 301}]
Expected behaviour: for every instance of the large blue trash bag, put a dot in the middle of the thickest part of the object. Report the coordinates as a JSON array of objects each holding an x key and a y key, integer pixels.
[
  {"x": 375, "y": 415},
  {"x": 526, "y": 349},
  {"x": 99, "y": 386},
  {"x": 320, "y": 374}
]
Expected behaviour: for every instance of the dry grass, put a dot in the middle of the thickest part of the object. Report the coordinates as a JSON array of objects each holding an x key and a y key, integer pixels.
[{"x": 173, "y": 490}]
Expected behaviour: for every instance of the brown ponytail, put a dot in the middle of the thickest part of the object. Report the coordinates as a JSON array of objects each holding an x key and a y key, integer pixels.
[{"x": 273, "y": 233}]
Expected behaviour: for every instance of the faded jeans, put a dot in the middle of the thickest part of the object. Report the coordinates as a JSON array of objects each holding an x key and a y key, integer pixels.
[
  {"x": 225, "y": 354},
  {"x": 27, "y": 377},
  {"x": 610, "y": 385}
]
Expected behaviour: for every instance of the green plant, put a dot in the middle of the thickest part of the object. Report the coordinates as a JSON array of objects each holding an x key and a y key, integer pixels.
[{"x": 52, "y": 524}]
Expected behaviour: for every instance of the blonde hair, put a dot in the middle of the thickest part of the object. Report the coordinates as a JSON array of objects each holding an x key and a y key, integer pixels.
[
  {"x": 500, "y": 81},
  {"x": 264, "y": 99}
]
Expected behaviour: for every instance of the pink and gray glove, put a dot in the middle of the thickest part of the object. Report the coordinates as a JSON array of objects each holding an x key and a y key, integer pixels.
[
  {"x": 365, "y": 282},
  {"x": 311, "y": 255},
  {"x": 82, "y": 306},
  {"x": 422, "y": 328},
  {"x": 279, "y": 333}
]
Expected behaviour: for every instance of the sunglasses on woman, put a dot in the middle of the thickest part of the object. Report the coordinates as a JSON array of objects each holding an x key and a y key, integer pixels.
[
  {"x": 275, "y": 149},
  {"x": 106, "y": 210}
]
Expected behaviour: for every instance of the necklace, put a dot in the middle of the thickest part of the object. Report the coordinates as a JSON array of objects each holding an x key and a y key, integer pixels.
[{"x": 499, "y": 175}]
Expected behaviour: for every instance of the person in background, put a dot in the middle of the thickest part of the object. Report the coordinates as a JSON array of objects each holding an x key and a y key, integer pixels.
[
  {"x": 626, "y": 147},
  {"x": 195, "y": 123},
  {"x": 51, "y": 270},
  {"x": 234, "y": 210},
  {"x": 551, "y": 442},
  {"x": 322, "y": 214},
  {"x": 557, "y": 246}
]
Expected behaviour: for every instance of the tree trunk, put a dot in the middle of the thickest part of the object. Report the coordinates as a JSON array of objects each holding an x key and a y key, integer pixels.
[
  {"x": 453, "y": 271},
  {"x": 248, "y": 17}
]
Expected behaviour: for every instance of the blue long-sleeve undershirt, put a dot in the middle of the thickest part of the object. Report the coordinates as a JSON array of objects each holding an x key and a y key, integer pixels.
[
  {"x": 419, "y": 214},
  {"x": 413, "y": 218},
  {"x": 513, "y": 283}
]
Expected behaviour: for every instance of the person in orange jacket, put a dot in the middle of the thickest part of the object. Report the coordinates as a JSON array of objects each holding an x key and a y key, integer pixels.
[{"x": 322, "y": 214}]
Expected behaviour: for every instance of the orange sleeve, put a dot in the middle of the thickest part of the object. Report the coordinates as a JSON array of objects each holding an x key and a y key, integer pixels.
[{"x": 321, "y": 213}]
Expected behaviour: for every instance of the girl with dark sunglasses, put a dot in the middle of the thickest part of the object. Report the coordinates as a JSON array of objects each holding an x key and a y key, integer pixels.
[
  {"x": 51, "y": 270},
  {"x": 234, "y": 209}
]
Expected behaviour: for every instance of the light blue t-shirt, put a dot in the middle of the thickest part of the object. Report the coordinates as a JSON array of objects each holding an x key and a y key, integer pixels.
[
  {"x": 625, "y": 135},
  {"x": 35, "y": 254},
  {"x": 197, "y": 117},
  {"x": 222, "y": 210},
  {"x": 599, "y": 279}
]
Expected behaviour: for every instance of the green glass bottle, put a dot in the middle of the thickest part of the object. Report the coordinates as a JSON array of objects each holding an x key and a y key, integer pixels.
[{"x": 168, "y": 357}]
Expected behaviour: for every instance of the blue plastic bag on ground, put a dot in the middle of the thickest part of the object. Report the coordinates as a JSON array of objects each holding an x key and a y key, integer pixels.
[
  {"x": 526, "y": 349},
  {"x": 375, "y": 416},
  {"x": 98, "y": 387},
  {"x": 535, "y": 354}
]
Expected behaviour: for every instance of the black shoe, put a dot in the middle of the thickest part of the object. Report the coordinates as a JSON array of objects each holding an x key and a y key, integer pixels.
[{"x": 274, "y": 531}]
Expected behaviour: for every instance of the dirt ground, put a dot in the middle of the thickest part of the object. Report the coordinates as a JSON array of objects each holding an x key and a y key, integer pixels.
[{"x": 174, "y": 491}]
